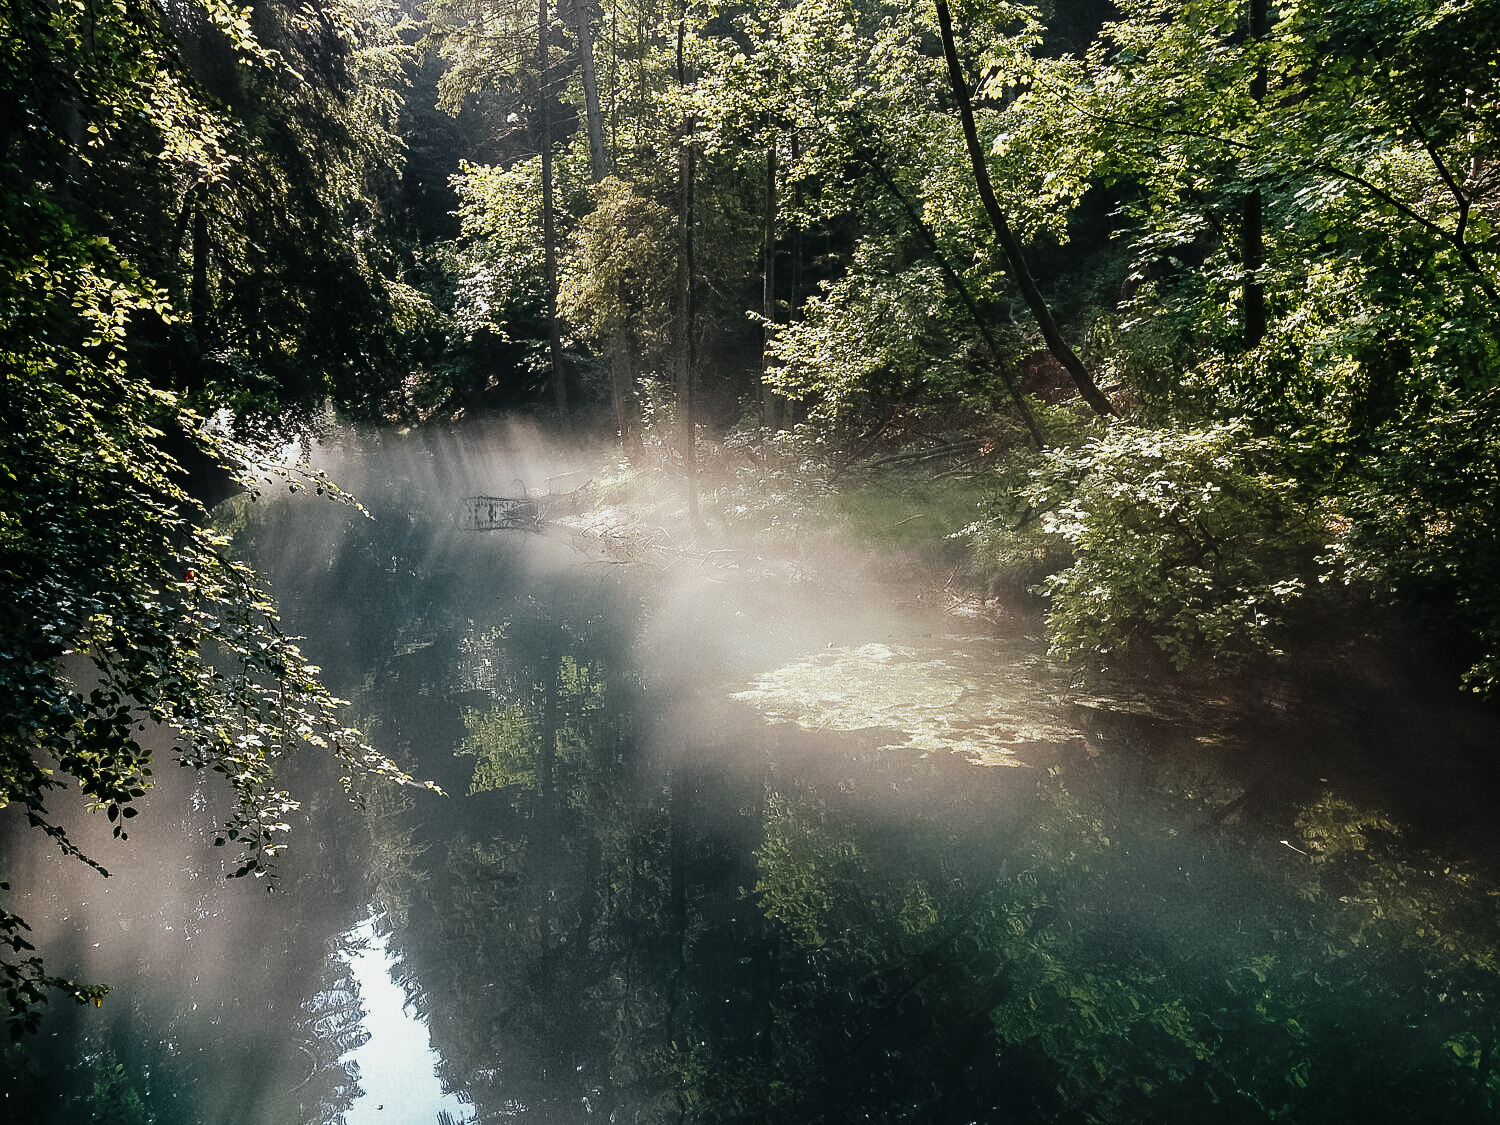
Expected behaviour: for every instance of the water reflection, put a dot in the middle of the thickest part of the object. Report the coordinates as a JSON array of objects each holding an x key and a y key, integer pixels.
[
  {"x": 718, "y": 850},
  {"x": 396, "y": 1065}
]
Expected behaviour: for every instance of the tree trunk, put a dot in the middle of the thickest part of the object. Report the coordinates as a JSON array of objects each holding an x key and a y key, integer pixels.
[
  {"x": 686, "y": 313},
  {"x": 198, "y": 299},
  {"x": 1019, "y": 272},
  {"x": 549, "y": 222},
  {"x": 546, "y": 759},
  {"x": 1252, "y": 232},
  {"x": 621, "y": 378},
  {"x": 622, "y": 387},
  {"x": 687, "y": 430},
  {"x": 794, "y": 292},
  {"x": 1253, "y": 253},
  {"x": 768, "y": 402},
  {"x": 1007, "y": 372},
  {"x": 583, "y": 28}
]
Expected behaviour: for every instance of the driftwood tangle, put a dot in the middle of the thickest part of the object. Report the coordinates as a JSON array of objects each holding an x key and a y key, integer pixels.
[
  {"x": 526, "y": 512},
  {"x": 502, "y": 513}
]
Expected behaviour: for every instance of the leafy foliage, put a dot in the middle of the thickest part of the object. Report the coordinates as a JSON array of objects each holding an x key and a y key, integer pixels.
[
  {"x": 1196, "y": 540},
  {"x": 619, "y": 273},
  {"x": 120, "y": 609},
  {"x": 867, "y": 342},
  {"x": 1329, "y": 162},
  {"x": 506, "y": 741}
]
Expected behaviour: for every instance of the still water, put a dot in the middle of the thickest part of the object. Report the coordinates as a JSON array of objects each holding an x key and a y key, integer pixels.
[{"x": 725, "y": 841}]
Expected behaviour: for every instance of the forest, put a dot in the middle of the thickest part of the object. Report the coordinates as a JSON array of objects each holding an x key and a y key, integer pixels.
[{"x": 1205, "y": 294}]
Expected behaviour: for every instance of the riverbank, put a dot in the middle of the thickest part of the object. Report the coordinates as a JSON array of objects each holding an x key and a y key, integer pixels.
[{"x": 1358, "y": 700}]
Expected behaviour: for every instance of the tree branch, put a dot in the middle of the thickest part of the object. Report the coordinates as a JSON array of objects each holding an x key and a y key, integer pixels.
[
  {"x": 1453, "y": 238},
  {"x": 1007, "y": 372},
  {"x": 1019, "y": 271}
]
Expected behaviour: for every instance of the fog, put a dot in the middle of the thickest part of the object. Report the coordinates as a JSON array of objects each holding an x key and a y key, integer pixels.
[{"x": 705, "y": 795}]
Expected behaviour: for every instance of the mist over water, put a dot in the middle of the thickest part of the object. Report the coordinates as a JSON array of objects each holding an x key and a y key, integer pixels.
[{"x": 736, "y": 837}]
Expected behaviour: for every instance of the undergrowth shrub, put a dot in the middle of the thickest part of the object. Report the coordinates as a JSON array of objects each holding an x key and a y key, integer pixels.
[{"x": 1195, "y": 541}]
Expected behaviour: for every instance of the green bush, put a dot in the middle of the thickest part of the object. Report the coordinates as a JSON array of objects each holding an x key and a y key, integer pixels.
[{"x": 1195, "y": 540}]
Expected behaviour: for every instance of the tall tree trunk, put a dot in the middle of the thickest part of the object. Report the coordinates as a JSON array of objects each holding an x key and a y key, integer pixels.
[
  {"x": 1020, "y": 273},
  {"x": 768, "y": 400},
  {"x": 1252, "y": 231},
  {"x": 621, "y": 377},
  {"x": 686, "y": 313},
  {"x": 583, "y": 28},
  {"x": 198, "y": 299},
  {"x": 622, "y": 387},
  {"x": 687, "y": 427},
  {"x": 794, "y": 289},
  {"x": 546, "y": 760},
  {"x": 795, "y": 255},
  {"x": 549, "y": 219}
]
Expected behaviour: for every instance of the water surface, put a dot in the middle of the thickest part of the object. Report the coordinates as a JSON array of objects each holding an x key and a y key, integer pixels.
[{"x": 731, "y": 843}]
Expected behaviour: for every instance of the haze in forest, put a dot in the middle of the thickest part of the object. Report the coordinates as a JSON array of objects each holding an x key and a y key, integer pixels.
[{"x": 988, "y": 384}]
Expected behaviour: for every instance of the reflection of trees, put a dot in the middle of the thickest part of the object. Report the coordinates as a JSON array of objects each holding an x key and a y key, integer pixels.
[
  {"x": 849, "y": 935},
  {"x": 1122, "y": 978},
  {"x": 513, "y": 936},
  {"x": 229, "y": 1009},
  {"x": 1092, "y": 968},
  {"x": 842, "y": 935},
  {"x": 334, "y": 1026},
  {"x": 468, "y": 645}
]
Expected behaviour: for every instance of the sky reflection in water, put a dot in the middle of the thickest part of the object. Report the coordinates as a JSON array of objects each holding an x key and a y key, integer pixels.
[{"x": 397, "y": 1065}]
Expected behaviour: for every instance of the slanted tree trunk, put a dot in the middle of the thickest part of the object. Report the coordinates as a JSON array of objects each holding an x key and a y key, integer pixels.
[
  {"x": 1020, "y": 273},
  {"x": 929, "y": 238}
]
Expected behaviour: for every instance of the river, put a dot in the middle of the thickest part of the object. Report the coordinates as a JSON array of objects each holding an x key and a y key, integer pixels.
[{"x": 730, "y": 840}]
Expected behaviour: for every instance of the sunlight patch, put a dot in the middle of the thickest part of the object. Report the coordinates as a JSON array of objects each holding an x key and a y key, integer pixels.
[{"x": 960, "y": 695}]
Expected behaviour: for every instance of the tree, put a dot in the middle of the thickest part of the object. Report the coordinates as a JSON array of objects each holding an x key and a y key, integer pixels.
[
  {"x": 509, "y": 49},
  {"x": 1194, "y": 542},
  {"x": 118, "y": 606},
  {"x": 842, "y": 100},
  {"x": 685, "y": 362},
  {"x": 266, "y": 222},
  {"x": 1322, "y": 172},
  {"x": 1015, "y": 257},
  {"x": 618, "y": 279}
]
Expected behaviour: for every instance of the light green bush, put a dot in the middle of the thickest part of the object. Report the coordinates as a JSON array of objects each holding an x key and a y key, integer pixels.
[{"x": 1194, "y": 540}]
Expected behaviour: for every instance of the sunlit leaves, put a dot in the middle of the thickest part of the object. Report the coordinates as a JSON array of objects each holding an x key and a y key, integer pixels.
[
  {"x": 1364, "y": 135},
  {"x": 120, "y": 610},
  {"x": 868, "y": 339},
  {"x": 1196, "y": 541},
  {"x": 500, "y": 258},
  {"x": 619, "y": 271}
]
